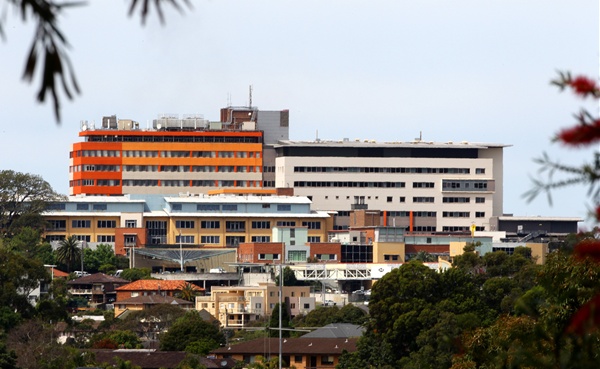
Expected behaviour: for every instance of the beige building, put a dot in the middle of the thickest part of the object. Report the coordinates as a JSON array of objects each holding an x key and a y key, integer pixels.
[{"x": 237, "y": 306}]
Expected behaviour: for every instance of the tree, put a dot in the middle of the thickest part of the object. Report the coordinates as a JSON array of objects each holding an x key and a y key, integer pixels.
[
  {"x": 69, "y": 253},
  {"x": 23, "y": 197},
  {"x": 274, "y": 321},
  {"x": 102, "y": 257},
  {"x": 289, "y": 278},
  {"x": 135, "y": 274},
  {"x": 188, "y": 292},
  {"x": 19, "y": 276},
  {"x": 188, "y": 329},
  {"x": 50, "y": 42}
]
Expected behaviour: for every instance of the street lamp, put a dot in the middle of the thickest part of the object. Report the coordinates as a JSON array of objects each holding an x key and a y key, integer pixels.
[{"x": 180, "y": 252}]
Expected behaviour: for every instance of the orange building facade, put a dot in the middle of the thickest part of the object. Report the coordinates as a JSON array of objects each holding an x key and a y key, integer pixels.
[{"x": 116, "y": 162}]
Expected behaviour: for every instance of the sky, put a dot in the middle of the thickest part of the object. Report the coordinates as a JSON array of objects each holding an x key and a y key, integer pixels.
[{"x": 461, "y": 70}]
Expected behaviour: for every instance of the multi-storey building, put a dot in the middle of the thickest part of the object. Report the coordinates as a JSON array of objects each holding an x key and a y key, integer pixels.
[
  {"x": 188, "y": 154},
  {"x": 236, "y": 307},
  {"x": 422, "y": 186},
  {"x": 190, "y": 221}
]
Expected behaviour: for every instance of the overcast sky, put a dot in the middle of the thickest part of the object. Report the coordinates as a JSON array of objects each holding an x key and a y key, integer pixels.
[{"x": 460, "y": 70}]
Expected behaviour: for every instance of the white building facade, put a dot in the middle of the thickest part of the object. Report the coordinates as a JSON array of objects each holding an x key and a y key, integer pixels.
[{"x": 423, "y": 186}]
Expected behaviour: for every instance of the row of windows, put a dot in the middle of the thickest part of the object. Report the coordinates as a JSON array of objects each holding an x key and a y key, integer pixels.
[
  {"x": 423, "y": 184},
  {"x": 164, "y": 183},
  {"x": 239, "y": 225},
  {"x": 464, "y": 185},
  {"x": 349, "y": 184},
  {"x": 382, "y": 170},
  {"x": 178, "y": 138},
  {"x": 461, "y": 229},
  {"x": 418, "y": 214},
  {"x": 94, "y": 168},
  {"x": 456, "y": 214}
]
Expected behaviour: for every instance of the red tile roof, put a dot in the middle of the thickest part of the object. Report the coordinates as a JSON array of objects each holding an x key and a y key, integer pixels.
[
  {"x": 156, "y": 284},
  {"x": 154, "y": 299}
]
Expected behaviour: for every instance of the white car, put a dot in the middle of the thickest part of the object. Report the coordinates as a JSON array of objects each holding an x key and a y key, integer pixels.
[{"x": 329, "y": 303}]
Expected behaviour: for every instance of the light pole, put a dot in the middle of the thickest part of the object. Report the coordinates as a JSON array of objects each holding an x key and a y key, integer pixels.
[{"x": 180, "y": 252}]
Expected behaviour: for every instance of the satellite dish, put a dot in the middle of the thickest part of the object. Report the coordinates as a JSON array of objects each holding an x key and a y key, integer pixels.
[{"x": 158, "y": 126}]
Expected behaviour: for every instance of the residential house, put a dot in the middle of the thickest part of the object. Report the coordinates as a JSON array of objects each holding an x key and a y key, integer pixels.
[
  {"x": 302, "y": 353},
  {"x": 150, "y": 287},
  {"x": 144, "y": 302},
  {"x": 152, "y": 359},
  {"x": 99, "y": 289}
]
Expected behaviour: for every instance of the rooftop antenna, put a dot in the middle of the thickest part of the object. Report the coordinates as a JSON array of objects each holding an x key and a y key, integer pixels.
[{"x": 250, "y": 96}]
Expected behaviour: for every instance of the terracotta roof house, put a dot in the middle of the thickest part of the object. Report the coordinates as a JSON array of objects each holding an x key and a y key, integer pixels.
[
  {"x": 147, "y": 301},
  {"x": 302, "y": 353},
  {"x": 98, "y": 288},
  {"x": 148, "y": 287},
  {"x": 151, "y": 359}
]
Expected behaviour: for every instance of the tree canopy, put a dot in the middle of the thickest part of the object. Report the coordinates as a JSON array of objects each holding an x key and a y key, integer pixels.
[{"x": 23, "y": 197}]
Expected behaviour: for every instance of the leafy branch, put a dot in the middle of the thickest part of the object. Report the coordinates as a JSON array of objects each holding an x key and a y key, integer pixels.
[{"x": 49, "y": 47}]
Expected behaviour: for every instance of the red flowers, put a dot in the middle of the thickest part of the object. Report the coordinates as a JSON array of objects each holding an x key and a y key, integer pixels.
[
  {"x": 583, "y": 86},
  {"x": 582, "y": 134}
]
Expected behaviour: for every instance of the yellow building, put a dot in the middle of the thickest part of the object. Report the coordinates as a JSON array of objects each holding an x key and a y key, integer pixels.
[{"x": 237, "y": 306}]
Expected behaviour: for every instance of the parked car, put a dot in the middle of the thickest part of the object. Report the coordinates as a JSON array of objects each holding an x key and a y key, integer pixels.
[
  {"x": 217, "y": 270},
  {"x": 329, "y": 303},
  {"x": 79, "y": 273}
]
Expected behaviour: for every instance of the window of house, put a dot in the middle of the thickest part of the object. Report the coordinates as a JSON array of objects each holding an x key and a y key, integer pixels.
[
  {"x": 100, "y": 206},
  {"x": 307, "y": 306},
  {"x": 479, "y": 170},
  {"x": 292, "y": 306},
  {"x": 327, "y": 360},
  {"x": 284, "y": 207},
  {"x": 130, "y": 223},
  {"x": 208, "y": 207},
  {"x": 265, "y": 224},
  {"x": 210, "y": 239},
  {"x": 176, "y": 207},
  {"x": 297, "y": 358}
]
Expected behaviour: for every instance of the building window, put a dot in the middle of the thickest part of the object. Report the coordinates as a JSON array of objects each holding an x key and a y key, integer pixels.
[
  {"x": 57, "y": 225},
  {"x": 423, "y": 199},
  {"x": 83, "y": 237},
  {"x": 286, "y": 224},
  {"x": 298, "y": 358},
  {"x": 187, "y": 224},
  {"x": 208, "y": 207},
  {"x": 130, "y": 223},
  {"x": 423, "y": 184},
  {"x": 284, "y": 207},
  {"x": 210, "y": 239},
  {"x": 210, "y": 224},
  {"x": 81, "y": 224},
  {"x": 313, "y": 239},
  {"x": 292, "y": 306},
  {"x": 402, "y": 199},
  {"x": 261, "y": 238},
  {"x": 268, "y": 256},
  {"x": 235, "y": 226},
  {"x": 83, "y": 206},
  {"x": 307, "y": 306},
  {"x": 390, "y": 257},
  {"x": 312, "y": 225},
  {"x": 456, "y": 199},
  {"x": 480, "y": 200},
  {"x": 264, "y": 224},
  {"x": 479, "y": 170},
  {"x": 479, "y": 214},
  {"x": 56, "y": 207},
  {"x": 184, "y": 239},
  {"x": 326, "y": 360},
  {"x": 296, "y": 256},
  {"x": 389, "y": 199},
  {"x": 107, "y": 224},
  {"x": 229, "y": 207},
  {"x": 99, "y": 206},
  {"x": 105, "y": 238},
  {"x": 456, "y": 214}
]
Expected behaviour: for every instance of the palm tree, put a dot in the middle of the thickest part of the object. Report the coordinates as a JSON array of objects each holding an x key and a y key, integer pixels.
[
  {"x": 68, "y": 252},
  {"x": 187, "y": 292}
]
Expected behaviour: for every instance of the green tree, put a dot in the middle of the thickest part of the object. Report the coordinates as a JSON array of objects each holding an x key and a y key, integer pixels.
[
  {"x": 274, "y": 321},
  {"x": 135, "y": 274},
  {"x": 102, "y": 257},
  {"x": 23, "y": 197},
  {"x": 69, "y": 253},
  {"x": 187, "y": 292},
  {"x": 19, "y": 276},
  {"x": 188, "y": 329},
  {"x": 289, "y": 278}
]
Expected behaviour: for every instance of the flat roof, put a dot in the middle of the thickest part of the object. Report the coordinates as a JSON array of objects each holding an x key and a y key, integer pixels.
[
  {"x": 539, "y": 218},
  {"x": 238, "y": 199},
  {"x": 391, "y": 144}
]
